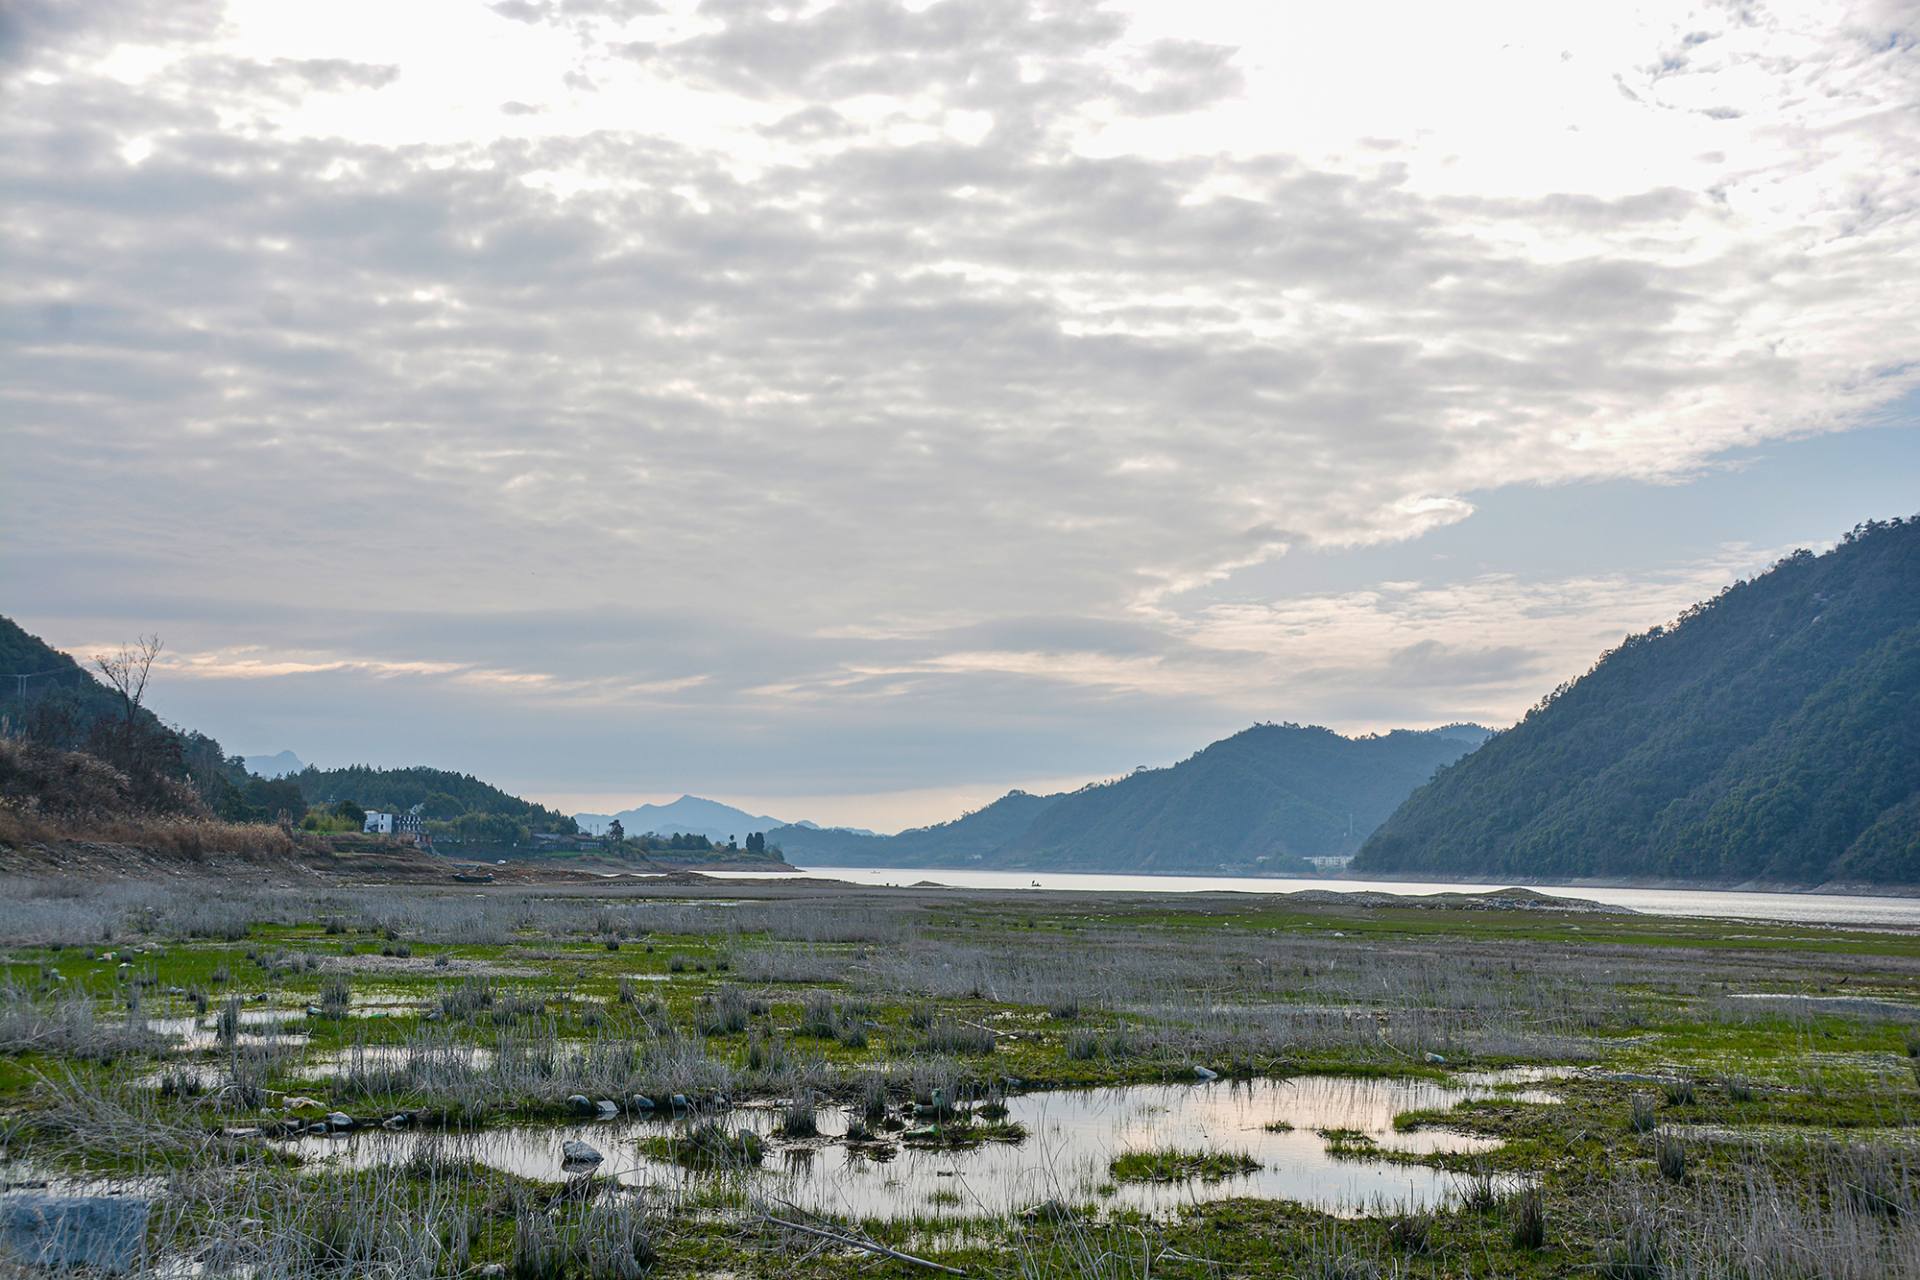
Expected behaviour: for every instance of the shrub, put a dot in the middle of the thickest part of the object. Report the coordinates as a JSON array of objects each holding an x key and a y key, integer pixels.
[
  {"x": 1671, "y": 1155},
  {"x": 1527, "y": 1218},
  {"x": 948, "y": 1035},
  {"x": 799, "y": 1120},
  {"x": 1411, "y": 1232}
]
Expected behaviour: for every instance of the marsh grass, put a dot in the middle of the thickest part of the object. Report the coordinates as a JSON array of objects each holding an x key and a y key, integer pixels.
[{"x": 1171, "y": 1164}]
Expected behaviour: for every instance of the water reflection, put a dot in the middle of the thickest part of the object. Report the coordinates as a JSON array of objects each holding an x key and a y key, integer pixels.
[{"x": 1072, "y": 1136}]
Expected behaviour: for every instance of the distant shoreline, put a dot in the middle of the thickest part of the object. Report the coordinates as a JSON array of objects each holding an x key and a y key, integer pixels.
[{"x": 1590, "y": 882}]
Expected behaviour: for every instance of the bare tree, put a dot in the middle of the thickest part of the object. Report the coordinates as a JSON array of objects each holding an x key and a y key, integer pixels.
[{"x": 127, "y": 671}]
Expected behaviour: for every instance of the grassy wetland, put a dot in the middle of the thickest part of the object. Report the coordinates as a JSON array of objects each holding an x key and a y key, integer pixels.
[{"x": 630, "y": 1079}]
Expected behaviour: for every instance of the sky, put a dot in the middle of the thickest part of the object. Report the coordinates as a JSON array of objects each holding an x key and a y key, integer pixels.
[{"x": 854, "y": 410}]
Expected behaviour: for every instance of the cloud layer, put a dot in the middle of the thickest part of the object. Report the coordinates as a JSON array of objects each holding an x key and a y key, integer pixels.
[{"x": 772, "y": 365}]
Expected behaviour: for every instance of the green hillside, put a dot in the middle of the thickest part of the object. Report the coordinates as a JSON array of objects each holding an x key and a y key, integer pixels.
[{"x": 1770, "y": 735}]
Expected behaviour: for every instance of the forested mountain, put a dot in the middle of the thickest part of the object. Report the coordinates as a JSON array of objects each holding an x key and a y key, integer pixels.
[
  {"x": 50, "y": 701},
  {"x": 53, "y": 702},
  {"x": 1256, "y": 802},
  {"x": 1275, "y": 792},
  {"x": 1771, "y": 734},
  {"x": 966, "y": 839},
  {"x": 47, "y": 694},
  {"x": 456, "y": 803}
]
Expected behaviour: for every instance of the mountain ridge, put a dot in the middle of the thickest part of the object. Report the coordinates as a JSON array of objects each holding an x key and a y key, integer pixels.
[
  {"x": 1259, "y": 801},
  {"x": 1769, "y": 735}
]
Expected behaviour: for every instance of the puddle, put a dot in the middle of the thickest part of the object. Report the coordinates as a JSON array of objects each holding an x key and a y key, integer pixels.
[
  {"x": 418, "y": 1060},
  {"x": 275, "y": 1028},
  {"x": 1072, "y": 1137}
]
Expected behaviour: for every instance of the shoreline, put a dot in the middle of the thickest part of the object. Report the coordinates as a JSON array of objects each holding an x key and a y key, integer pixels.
[{"x": 1484, "y": 883}]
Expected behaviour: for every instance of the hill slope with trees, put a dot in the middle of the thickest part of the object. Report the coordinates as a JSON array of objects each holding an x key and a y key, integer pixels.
[
  {"x": 965, "y": 840},
  {"x": 1770, "y": 735},
  {"x": 1258, "y": 802}
]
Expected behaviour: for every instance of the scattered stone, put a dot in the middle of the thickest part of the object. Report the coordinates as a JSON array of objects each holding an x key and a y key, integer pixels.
[
  {"x": 103, "y": 1233},
  {"x": 1204, "y": 1073},
  {"x": 641, "y": 1102},
  {"x": 300, "y": 1103},
  {"x": 493, "y": 1269},
  {"x": 397, "y": 1121},
  {"x": 339, "y": 1121},
  {"x": 581, "y": 1105},
  {"x": 1434, "y": 1059},
  {"x": 575, "y": 1152},
  {"x": 680, "y": 1101},
  {"x": 608, "y": 1110}
]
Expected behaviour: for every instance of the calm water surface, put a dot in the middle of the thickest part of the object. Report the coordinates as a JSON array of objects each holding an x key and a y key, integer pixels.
[
  {"x": 1072, "y": 1136},
  {"x": 1799, "y": 908}
]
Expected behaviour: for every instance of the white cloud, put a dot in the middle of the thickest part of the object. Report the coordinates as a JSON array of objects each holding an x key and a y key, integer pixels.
[{"x": 867, "y": 323}]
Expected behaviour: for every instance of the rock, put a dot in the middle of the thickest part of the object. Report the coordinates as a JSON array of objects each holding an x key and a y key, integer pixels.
[
  {"x": 301, "y": 1104},
  {"x": 575, "y": 1152},
  {"x": 339, "y": 1121},
  {"x": 317, "y": 1127},
  {"x": 397, "y": 1121},
  {"x": 492, "y": 1269},
  {"x": 581, "y": 1105},
  {"x": 105, "y": 1233},
  {"x": 1203, "y": 1073},
  {"x": 680, "y": 1101},
  {"x": 608, "y": 1110},
  {"x": 1434, "y": 1059},
  {"x": 641, "y": 1102}
]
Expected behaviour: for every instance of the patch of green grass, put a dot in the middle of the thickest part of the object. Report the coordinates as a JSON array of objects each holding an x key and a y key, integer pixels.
[{"x": 1174, "y": 1165}]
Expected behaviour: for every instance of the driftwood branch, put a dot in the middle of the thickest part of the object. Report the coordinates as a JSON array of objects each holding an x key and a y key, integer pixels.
[{"x": 871, "y": 1246}]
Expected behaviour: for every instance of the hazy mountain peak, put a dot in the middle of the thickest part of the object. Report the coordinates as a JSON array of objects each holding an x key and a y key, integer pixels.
[{"x": 277, "y": 765}]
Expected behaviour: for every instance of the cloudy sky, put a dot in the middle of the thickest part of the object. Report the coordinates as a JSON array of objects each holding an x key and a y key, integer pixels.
[{"x": 856, "y": 409}]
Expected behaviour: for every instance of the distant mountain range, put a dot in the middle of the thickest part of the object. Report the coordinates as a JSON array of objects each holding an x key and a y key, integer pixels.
[
  {"x": 1261, "y": 801},
  {"x": 689, "y": 815},
  {"x": 1771, "y": 735}
]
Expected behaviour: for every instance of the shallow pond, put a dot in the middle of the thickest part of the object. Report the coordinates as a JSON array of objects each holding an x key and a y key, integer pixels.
[{"x": 1072, "y": 1137}]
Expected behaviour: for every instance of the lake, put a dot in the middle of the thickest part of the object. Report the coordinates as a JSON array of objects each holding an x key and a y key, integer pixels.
[{"x": 1797, "y": 908}]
